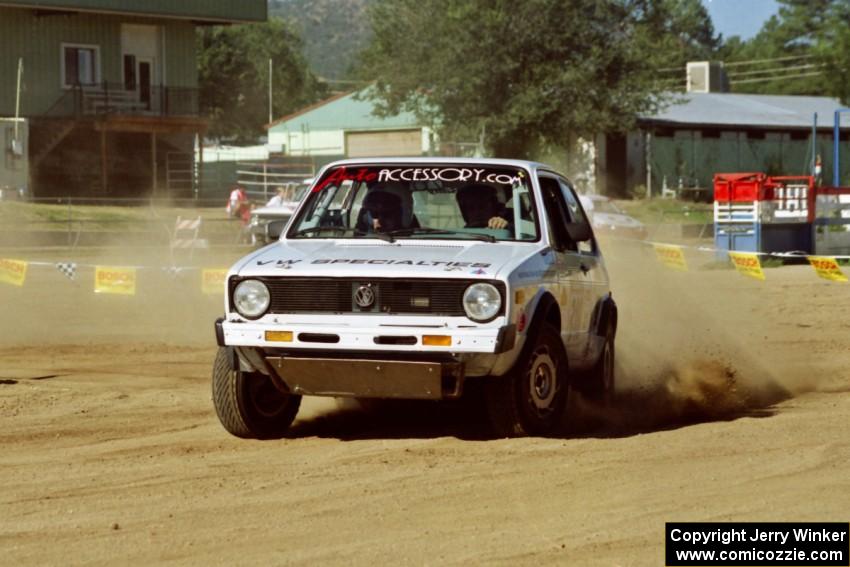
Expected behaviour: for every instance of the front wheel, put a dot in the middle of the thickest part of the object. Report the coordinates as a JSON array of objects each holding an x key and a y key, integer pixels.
[
  {"x": 531, "y": 398},
  {"x": 599, "y": 385},
  {"x": 248, "y": 404}
]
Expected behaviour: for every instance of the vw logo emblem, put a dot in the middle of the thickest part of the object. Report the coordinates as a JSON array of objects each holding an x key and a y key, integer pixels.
[{"x": 364, "y": 297}]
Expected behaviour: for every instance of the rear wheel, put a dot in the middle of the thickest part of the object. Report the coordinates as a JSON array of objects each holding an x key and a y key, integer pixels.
[
  {"x": 248, "y": 404},
  {"x": 531, "y": 398}
]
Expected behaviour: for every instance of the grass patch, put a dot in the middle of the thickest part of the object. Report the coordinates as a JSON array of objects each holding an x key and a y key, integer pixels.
[
  {"x": 772, "y": 262},
  {"x": 661, "y": 211},
  {"x": 17, "y": 216}
]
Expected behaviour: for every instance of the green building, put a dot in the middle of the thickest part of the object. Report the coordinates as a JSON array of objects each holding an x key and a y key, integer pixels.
[
  {"x": 696, "y": 135},
  {"x": 107, "y": 101},
  {"x": 346, "y": 126}
]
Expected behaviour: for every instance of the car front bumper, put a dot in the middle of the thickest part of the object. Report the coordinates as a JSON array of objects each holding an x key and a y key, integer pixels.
[
  {"x": 359, "y": 363},
  {"x": 348, "y": 336}
]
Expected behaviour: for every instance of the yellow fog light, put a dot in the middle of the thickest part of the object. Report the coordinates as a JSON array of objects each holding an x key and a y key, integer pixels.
[
  {"x": 436, "y": 340},
  {"x": 279, "y": 336}
]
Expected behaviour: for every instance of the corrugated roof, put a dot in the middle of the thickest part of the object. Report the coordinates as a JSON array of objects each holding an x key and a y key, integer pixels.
[
  {"x": 748, "y": 110},
  {"x": 343, "y": 112}
]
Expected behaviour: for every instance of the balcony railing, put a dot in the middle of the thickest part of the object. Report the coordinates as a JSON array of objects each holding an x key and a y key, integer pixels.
[{"x": 111, "y": 98}]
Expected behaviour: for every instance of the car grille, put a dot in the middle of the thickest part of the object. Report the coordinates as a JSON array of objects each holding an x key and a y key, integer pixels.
[{"x": 392, "y": 296}]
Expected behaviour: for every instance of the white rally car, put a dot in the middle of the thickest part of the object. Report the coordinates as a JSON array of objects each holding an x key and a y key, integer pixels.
[{"x": 407, "y": 278}]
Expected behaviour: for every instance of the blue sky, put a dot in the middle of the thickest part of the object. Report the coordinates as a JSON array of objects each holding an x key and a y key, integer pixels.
[{"x": 740, "y": 17}]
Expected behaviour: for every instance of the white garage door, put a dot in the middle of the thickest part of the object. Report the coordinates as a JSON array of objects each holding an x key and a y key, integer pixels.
[{"x": 384, "y": 144}]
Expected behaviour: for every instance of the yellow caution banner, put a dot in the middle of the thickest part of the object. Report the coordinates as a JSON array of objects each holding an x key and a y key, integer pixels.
[
  {"x": 212, "y": 281},
  {"x": 13, "y": 272},
  {"x": 747, "y": 264},
  {"x": 827, "y": 268},
  {"x": 671, "y": 256},
  {"x": 109, "y": 279}
]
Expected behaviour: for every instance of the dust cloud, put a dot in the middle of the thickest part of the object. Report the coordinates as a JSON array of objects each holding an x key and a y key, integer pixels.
[
  {"x": 168, "y": 305},
  {"x": 694, "y": 346}
]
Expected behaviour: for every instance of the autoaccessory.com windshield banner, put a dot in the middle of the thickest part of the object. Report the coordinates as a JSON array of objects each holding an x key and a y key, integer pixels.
[
  {"x": 424, "y": 174},
  {"x": 448, "y": 174}
]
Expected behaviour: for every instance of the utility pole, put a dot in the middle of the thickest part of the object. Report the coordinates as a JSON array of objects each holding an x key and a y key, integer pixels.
[
  {"x": 271, "y": 115},
  {"x": 648, "y": 154},
  {"x": 18, "y": 96}
]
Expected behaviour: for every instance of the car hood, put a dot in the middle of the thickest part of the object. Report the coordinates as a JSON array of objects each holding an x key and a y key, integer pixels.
[{"x": 403, "y": 258}]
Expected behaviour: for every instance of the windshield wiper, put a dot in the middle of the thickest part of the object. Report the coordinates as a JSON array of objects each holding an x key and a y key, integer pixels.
[
  {"x": 312, "y": 229},
  {"x": 425, "y": 230},
  {"x": 383, "y": 236}
]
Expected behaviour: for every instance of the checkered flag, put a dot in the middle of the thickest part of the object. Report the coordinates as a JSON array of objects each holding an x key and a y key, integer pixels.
[{"x": 67, "y": 268}]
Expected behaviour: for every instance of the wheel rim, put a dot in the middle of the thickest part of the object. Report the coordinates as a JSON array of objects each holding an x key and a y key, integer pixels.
[
  {"x": 266, "y": 400},
  {"x": 543, "y": 384}
]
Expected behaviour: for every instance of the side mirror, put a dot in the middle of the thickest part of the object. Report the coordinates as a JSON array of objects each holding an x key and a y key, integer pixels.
[
  {"x": 274, "y": 228},
  {"x": 579, "y": 231}
]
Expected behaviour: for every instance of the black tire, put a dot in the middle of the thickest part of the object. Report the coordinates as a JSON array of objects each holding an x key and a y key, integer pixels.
[
  {"x": 599, "y": 384},
  {"x": 248, "y": 404},
  {"x": 532, "y": 397}
]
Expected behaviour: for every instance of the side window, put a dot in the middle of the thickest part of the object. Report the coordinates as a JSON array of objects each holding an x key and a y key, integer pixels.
[
  {"x": 557, "y": 213},
  {"x": 576, "y": 211},
  {"x": 577, "y": 214}
]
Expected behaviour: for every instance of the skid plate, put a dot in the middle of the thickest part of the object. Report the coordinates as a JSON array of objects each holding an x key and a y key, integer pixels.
[{"x": 366, "y": 378}]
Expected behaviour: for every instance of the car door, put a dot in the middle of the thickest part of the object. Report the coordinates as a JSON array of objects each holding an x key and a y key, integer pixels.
[
  {"x": 591, "y": 283},
  {"x": 570, "y": 294}
]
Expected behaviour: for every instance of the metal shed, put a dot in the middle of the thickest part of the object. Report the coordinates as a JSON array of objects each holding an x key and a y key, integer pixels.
[{"x": 699, "y": 134}]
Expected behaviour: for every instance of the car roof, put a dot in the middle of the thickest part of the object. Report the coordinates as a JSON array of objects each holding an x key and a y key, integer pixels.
[{"x": 441, "y": 161}]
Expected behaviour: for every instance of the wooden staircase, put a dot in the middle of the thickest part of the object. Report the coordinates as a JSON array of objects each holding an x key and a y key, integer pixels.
[{"x": 59, "y": 133}]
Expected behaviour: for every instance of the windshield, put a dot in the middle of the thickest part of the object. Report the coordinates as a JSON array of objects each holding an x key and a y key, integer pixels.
[
  {"x": 299, "y": 192},
  {"x": 433, "y": 202}
]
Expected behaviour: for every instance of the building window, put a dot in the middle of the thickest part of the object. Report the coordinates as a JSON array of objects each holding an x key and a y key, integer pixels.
[
  {"x": 80, "y": 65},
  {"x": 130, "y": 72}
]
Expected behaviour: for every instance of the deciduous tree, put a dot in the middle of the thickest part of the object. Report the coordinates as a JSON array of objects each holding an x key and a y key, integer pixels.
[
  {"x": 525, "y": 74},
  {"x": 233, "y": 75}
]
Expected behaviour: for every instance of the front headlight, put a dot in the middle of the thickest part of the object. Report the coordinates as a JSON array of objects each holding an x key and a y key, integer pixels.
[
  {"x": 251, "y": 298},
  {"x": 482, "y": 301}
]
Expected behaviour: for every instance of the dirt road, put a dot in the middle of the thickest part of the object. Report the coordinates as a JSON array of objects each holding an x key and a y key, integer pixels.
[{"x": 735, "y": 406}]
